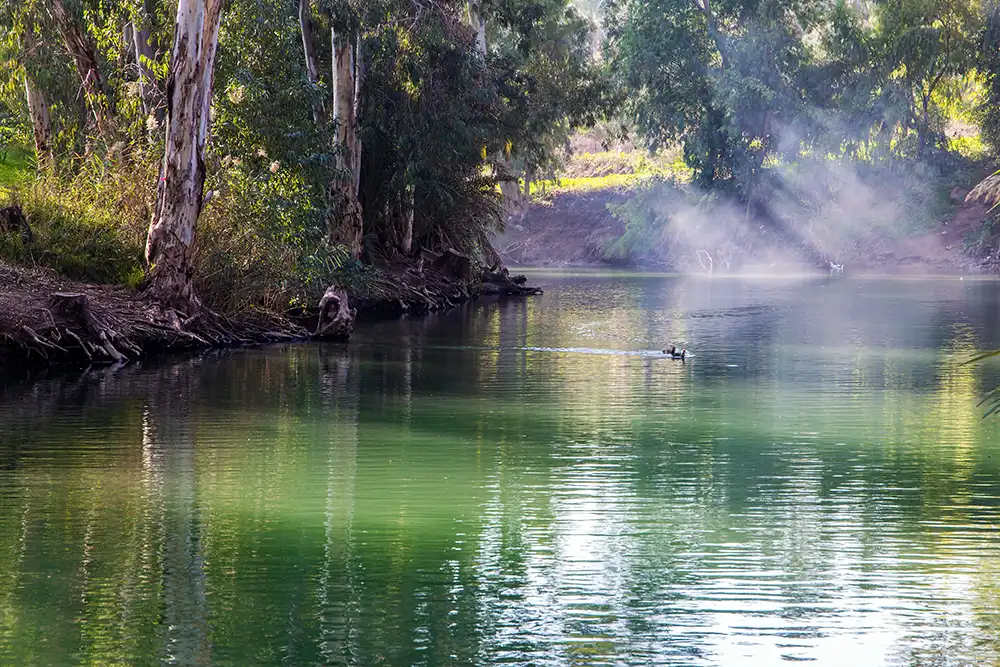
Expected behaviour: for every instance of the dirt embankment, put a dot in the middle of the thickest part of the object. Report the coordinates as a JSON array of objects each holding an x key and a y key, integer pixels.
[
  {"x": 46, "y": 319},
  {"x": 568, "y": 229},
  {"x": 575, "y": 228},
  {"x": 950, "y": 249}
]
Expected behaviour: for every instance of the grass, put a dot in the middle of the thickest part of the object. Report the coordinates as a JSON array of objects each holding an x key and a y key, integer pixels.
[
  {"x": 595, "y": 172},
  {"x": 90, "y": 222},
  {"x": 79, "y": 236},
  {"x": 16, "y": 169},
  {"x": 593, "y": 183}
]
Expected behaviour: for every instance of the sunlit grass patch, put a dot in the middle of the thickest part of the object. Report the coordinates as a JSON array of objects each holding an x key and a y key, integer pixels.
[
  {"x": 593, "y": 183},
  {"x": 970, "y": 147},
  {"x": 16, "y": 168}
]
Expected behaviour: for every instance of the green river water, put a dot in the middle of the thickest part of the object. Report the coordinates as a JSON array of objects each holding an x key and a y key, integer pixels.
[{"x": 518, "y": 483}]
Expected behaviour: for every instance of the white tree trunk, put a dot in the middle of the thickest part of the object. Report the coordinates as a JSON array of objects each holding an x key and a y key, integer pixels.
[
  {"x": 406, "y": 245},
  {"x": 348, "y": 229},
  {"x": 479, "y": 25},
  {"x": 40, "y": 123},
  {"x": 359, "y": 81},
  {"x": 170, "y": 245},
  {"x": 38, "y": 108},
  {"x": 509, "y": 189}
]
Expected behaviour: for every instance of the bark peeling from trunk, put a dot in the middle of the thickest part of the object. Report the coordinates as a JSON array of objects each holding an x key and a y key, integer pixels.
[
  {"x": 346, "y": 224},
  {"x": 171, "y": 242}
]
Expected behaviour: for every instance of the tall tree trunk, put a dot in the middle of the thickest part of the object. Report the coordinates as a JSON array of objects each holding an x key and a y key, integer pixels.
[
  {"x": 309, "y": 51},
  {"x": 409, "y": 207},
  {"x": 41, "y": 126},
  {"x": 170, "y": 245},
  {"x": 510, "y": 190},
  {"x": 479, "y": 25},
  {"x": 349, "y": 229},
  {"x": 145, "y": 55},
  {"x": 359, "y": 82},
  {"x": 79, "y": 47},
  {"x": 38, "y": 109}
]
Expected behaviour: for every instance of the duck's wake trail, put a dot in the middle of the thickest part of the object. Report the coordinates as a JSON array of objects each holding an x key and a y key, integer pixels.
[{"x": 659, "y": 354}]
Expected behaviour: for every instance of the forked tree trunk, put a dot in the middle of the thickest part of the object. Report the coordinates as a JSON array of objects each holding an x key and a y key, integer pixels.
[
  {"x": 346, "y": 224},
  {"x": 170, "y": 245},
  {"x": 309, "y": 51},
  {"x": 76, "y": 42}
]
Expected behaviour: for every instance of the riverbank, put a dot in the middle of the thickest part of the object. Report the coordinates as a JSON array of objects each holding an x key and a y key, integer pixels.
[
  {"x": 577, "y": 228},
  {"x": 46, "y": 319}
]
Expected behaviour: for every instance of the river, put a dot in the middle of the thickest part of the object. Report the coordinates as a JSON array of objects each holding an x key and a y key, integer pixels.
[{"x": 521, "y": 483}]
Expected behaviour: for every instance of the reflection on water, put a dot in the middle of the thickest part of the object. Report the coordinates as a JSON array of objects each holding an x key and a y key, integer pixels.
[{"x": 505, "y": 484}]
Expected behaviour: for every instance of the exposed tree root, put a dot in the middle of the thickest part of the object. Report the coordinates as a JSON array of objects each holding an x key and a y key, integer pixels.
[
  {"x": 43, "y": 321},
  {"x": 47, "y": 320},
  {"x": 434, "y": 282}
]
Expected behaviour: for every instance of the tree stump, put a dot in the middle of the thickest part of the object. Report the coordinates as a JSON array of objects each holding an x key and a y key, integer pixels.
[
  {"x": 12, "y": 220},
  {"x": 71, "y": 310},
  {"x": 455, "y": 264},
  {"x": 336, "y": 317},
  {"x": 71, "y": 307}
]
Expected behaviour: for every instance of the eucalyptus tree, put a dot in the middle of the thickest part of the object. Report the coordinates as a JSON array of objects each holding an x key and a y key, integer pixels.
[{"x": 179, "y": 193}]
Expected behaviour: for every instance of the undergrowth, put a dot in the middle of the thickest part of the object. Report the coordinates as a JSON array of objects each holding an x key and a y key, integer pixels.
[
  {"x": 16, "y": 168},
  {"x": 88, "y": 227},
  {"x": 260, "y": 241}
]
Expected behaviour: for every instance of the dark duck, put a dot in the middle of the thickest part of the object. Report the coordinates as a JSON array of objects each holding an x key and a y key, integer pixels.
[{"x": 675, "y": 353}]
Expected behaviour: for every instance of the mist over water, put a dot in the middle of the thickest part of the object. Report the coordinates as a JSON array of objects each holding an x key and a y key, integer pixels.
[{"x": 518, "y": 483}]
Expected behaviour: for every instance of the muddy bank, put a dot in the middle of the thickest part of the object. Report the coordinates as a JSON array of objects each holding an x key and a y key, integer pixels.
[
  {"x": 48, "y": 320},
  {"x": 568, "y": 229},
  {"x": 576, "y": 228}
]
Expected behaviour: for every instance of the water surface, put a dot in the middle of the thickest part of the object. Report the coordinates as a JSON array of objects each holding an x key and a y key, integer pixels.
[{"x": 524, "y": 483}]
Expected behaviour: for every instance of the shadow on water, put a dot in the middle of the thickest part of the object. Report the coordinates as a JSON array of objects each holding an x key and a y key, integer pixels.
[{"x": 469, "y": 488}]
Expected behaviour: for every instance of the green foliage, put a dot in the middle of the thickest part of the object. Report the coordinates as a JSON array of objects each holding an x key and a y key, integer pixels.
[
  {"x": 76, "y": 234},
  {"x": 260, "y": 239},
  {"x": 989, "y": 64},
  {"x": 16, "y": 168},
  {"x": 435, "y": 115},
  {"x": 745, "y": 85}
]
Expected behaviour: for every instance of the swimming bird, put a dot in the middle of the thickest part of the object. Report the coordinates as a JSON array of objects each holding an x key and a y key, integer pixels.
[{"x": 675, "y": 353}]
